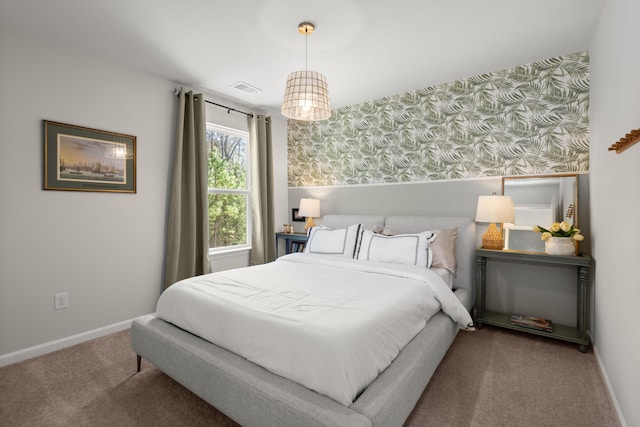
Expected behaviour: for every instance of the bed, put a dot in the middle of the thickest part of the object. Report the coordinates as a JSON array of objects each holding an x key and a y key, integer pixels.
[{"x": 253, "y": 395}]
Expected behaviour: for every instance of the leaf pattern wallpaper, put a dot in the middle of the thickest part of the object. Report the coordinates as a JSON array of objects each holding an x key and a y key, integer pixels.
[{"x": 527, "y": 120}]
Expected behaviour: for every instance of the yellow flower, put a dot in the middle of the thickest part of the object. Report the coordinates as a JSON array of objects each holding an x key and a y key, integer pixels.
[{"x": 559, "y": 229}]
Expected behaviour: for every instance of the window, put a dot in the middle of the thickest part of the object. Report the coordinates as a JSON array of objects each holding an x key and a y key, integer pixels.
[{"x": 229, "y": 188}]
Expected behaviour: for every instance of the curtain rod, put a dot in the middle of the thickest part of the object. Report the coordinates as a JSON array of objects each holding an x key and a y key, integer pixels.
[{"x": 229, "y": 109}]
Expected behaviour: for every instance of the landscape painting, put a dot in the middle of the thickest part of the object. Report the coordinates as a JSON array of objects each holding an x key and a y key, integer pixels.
[
  {"x": 85, "y": 159},
  {"x": 88, "y": 160}
]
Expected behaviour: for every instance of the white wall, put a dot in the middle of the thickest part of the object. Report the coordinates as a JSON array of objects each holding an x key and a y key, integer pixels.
[
  {"x": 615, "y": 199},
  {"x": 105, "y": 249}
]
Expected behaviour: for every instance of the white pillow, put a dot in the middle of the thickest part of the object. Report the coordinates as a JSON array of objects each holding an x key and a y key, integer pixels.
[
  {"x": 399, "y": 249},
  {"x": 340, "y": 241},
  {"x": 375, "y": 228}
]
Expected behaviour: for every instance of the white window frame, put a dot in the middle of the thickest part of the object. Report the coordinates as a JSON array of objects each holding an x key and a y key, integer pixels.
[{"x": 246, "y": 192}]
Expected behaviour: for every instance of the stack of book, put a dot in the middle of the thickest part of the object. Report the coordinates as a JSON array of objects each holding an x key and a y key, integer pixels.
[{"x": 537, "y": 323}]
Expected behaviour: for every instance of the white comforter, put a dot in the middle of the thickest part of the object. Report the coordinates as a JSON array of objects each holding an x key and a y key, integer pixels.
[{"x": 331, "y": 324}]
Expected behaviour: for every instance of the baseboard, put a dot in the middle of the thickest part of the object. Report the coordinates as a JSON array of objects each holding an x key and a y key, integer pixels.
[
  {"x": 48, "y": 347},
  {"x": 612, "y": 395}
]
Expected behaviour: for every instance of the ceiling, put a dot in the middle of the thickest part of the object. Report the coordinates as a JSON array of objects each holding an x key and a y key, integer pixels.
[{"x": 367, "y": 49}]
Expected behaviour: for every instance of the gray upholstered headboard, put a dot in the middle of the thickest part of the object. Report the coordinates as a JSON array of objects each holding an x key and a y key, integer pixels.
[{"x": 464, "y": 280}]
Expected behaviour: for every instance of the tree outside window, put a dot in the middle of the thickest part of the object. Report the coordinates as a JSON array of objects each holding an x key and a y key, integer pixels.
[{"x": 229, "y": 188}]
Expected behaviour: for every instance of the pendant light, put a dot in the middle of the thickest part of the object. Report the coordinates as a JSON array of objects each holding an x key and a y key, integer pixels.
[{"x": 306, "y": 96}]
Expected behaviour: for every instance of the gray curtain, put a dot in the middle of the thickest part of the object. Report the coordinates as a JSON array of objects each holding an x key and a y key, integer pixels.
[
  {"x": 188, "y": 222},
  {"x": 263, "y": 246}
]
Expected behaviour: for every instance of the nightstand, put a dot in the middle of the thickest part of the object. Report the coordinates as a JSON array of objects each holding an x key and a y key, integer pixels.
[
  {"x": 582, "y": 264},
  {"x": 292, "y": 242}
]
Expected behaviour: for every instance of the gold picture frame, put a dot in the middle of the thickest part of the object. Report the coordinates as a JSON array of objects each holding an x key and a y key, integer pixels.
[{"x": 78, "y": 158}]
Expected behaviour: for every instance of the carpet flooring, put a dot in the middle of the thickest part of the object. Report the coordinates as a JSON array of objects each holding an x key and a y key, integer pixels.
[{"x": 491, "y": 377}]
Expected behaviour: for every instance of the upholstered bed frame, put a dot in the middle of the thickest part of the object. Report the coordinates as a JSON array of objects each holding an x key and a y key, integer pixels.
[{"x": 253, "y": 396}]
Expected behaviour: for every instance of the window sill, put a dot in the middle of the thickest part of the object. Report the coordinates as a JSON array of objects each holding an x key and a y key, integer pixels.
[{"x": 222, "y": 253}]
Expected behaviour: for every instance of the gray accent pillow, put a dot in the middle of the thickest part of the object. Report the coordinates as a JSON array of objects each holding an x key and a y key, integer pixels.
[{"x": 443, "y": 248}]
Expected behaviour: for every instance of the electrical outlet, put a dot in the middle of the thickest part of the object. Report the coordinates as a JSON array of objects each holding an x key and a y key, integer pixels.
[{"x": 60, "y": 300}]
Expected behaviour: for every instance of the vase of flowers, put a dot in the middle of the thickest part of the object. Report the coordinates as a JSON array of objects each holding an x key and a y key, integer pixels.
[{"x": 560, "y": 238}]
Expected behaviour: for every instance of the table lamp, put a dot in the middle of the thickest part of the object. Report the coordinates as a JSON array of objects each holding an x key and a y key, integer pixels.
[
  {"x": 309, "y": 208},
  {"x": 493, "y": 209}
]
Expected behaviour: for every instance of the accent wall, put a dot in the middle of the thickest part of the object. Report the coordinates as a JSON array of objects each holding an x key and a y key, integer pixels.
[{"x": 527, "y": 120}]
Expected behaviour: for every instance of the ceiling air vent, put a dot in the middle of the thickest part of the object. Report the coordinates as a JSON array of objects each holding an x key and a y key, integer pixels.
[{"x": 246, "y": 87}]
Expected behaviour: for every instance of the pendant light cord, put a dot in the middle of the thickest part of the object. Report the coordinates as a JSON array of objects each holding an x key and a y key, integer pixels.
[{"x": 306, "y": 49}]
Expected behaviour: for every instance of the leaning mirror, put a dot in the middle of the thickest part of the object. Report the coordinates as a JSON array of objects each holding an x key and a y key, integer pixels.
[{"x": 539, "y": 200}]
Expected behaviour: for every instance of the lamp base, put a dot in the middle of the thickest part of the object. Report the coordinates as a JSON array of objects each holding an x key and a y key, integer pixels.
[
  {"x": 492, "y": 238},
  {"x": 309, "y": 223}
]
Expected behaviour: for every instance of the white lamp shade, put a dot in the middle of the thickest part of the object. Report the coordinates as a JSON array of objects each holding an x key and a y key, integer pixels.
[
  {"x": 495, "y": 209},
  {"x": 309, "y": 208},
  {"x": 306, "y": 97}
]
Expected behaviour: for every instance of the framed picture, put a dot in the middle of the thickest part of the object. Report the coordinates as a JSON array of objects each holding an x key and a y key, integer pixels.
[
  {"x": 523, "y": 239},
  {"x": 82, "y": 159},
  {"x": 295, "y": 216}
]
